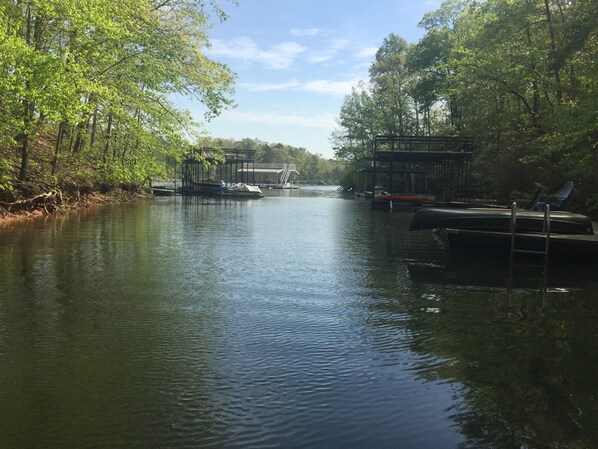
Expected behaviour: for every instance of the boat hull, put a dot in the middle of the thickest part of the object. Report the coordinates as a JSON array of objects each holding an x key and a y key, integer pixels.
[
  {"x": 499, "y": 220},
  {"x": 243, "y": 191}
]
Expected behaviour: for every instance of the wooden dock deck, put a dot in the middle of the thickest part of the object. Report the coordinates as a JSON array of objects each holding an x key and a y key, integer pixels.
[{"x": 574, "y": 247}]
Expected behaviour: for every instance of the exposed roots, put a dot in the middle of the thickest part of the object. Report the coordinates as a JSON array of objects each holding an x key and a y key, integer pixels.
[
  {"x": 25, "y": 202},
  {"x": 49, "y": 202}
]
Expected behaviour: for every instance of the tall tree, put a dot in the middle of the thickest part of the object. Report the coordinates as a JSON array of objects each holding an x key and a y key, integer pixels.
[
  {"x": 390, "y": 79},
  {"x": 520, "y": 76},
  {"x": 358, "y": 125},
  {"x": 107, "y": 70}
]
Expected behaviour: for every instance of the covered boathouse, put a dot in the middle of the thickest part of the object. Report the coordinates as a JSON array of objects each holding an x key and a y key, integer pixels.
[
  {"x": 208, "y": 170},
  {"x": 412, "y": 170}
]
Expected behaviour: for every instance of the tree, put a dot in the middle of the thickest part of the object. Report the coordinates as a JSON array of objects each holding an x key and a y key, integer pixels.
[
  {"x": 98, "y": 76},
  {"x": 390, "y": 78},
  {"x": 358, "y": 125},
  {"x": 519, "y": 76}
]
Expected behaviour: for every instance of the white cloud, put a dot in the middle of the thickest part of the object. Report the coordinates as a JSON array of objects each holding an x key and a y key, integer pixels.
[
  {"x": 366, "y": 52},
  {"x": 306, "y": 32},
  {"x": 329, "y": 51},
  {"x": 322, "y": 121},
  {"x": 279, "y": 56},
  {"x": 321, "y": 86},
  {"x": 238, "y": 48},
  {"x": 263, "y": 87},
  {"x": 335, "y": 88}
]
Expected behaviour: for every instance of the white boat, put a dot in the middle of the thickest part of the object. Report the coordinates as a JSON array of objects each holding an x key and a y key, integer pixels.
[{"x": 243, "y": 190}]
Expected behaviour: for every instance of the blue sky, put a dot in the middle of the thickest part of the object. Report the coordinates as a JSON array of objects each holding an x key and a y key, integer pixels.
[{"x": 296, "y": 60}]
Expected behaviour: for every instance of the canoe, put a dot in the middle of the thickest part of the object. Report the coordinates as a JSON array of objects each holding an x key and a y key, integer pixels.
[{"x": 499, "y": 220}]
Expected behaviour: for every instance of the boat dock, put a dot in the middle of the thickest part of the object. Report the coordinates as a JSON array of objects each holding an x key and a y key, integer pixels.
[
  {"x": 510, "y": 233},
  {"x": 578, "y": 247},
  {"x": 424, "y": 169}
]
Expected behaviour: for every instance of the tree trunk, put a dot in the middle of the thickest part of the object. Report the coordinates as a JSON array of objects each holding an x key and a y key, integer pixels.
[
  {"x": 57, "y": 147},
  {"x": 416, "y": 106},
  {"x": 107, "y": 138},
  {"x": 94, "y": 126},
  {"x": 555, "y": 69},
  {"x": 81, "y": 128}
]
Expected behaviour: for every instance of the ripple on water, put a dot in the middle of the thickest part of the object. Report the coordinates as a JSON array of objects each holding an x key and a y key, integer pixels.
[{"x": 287, "y": 323}]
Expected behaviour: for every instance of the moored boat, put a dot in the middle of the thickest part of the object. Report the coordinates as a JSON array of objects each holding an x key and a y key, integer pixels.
[
  {"x": 163, "y": 191},
  {"x": 205, "y": 187},
  {"x": 499, "y": 220},
  {"x": 404, "y": 198},
  {"x": 243, "y": 190}
]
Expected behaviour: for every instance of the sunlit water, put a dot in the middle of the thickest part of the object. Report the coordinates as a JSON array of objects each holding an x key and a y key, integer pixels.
[{"x": 300, "y": 320}]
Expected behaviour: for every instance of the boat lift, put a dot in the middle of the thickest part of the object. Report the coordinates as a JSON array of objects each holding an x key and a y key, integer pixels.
[
  {"x": 212, "y": 166},
  {"x": 436, "y": 166},
  {"x": 286, "y": 173}
]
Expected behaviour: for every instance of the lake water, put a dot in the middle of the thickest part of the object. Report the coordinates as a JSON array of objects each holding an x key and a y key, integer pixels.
[{"x": 300, "y": 320}]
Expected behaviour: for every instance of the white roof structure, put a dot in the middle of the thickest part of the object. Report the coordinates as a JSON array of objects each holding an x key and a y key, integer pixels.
[{"x": 284, "y": 170}]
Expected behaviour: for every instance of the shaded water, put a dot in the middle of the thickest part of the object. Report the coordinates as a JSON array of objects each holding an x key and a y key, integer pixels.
[{"x": 299, "y": 320}]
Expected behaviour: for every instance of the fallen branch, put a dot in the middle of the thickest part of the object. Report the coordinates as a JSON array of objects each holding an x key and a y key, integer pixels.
[{"x": 48, "y": 199}]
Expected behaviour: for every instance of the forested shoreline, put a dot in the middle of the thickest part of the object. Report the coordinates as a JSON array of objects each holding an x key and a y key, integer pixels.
[
  {"x": 86, "y": 88},
  {"x": 518, "y": 76},
  {"x": 85, "y": 99}
]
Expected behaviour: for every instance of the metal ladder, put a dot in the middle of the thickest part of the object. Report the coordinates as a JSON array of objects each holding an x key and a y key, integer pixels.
[
  {"x": 515, "y": 250},
  {"x": 545, "y": 233}
]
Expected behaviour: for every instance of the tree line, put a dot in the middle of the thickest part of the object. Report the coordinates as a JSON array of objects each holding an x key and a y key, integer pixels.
[
  {"x": 519, "y": 76},
  {"x": 312, "y": 167},
  {"x": 86, "y": 88}
]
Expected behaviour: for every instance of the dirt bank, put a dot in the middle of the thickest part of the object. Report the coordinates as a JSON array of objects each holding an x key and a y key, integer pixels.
[{"x": 40, "y": 206}]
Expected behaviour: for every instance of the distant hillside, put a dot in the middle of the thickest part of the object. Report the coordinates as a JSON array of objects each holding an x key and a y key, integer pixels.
[{"x": 313, "y": 167}]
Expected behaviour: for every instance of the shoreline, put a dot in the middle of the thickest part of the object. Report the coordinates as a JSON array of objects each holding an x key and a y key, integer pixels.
[{"x": 11, "y": 219}]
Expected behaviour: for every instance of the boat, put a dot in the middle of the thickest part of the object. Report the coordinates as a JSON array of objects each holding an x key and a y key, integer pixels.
[
  {"x": 404, "y": 198},
  {"x": 400, "y": 201},
  {"x": 205, "y": 187},
  {"x": 243, "y": 190},
  {"x": 488, "y": 232},
  {"x": 163, "y": 191},
  {"x": 499, "y": 220}
]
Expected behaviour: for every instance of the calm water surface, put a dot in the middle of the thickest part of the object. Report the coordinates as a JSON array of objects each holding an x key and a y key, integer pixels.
[{"x": 300, "y": 320}]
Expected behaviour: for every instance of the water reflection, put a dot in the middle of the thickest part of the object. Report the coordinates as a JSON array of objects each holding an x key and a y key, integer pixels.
[
  {"x": 518, "y": 347},
  {"x": 303, "y": 319},
  {"x": 521, "y": 342},
  {"x": 473, "y": 272}
]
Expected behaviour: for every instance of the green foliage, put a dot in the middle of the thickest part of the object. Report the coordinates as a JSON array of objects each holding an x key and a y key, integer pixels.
[
  {"x": 520, "y": 76},
  {"x": 5, "y": 176},
  {"x": 137, "y": 174},
  {"x": 85, "y": 84},
  {"x": 358, "y": 124},
  {"x": 312, "y": 167}
]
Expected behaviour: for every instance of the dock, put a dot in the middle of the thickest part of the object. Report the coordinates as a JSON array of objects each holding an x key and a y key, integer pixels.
[
  {"x": 573, "y": 247},
  {"x": 434, "y": 167}
]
